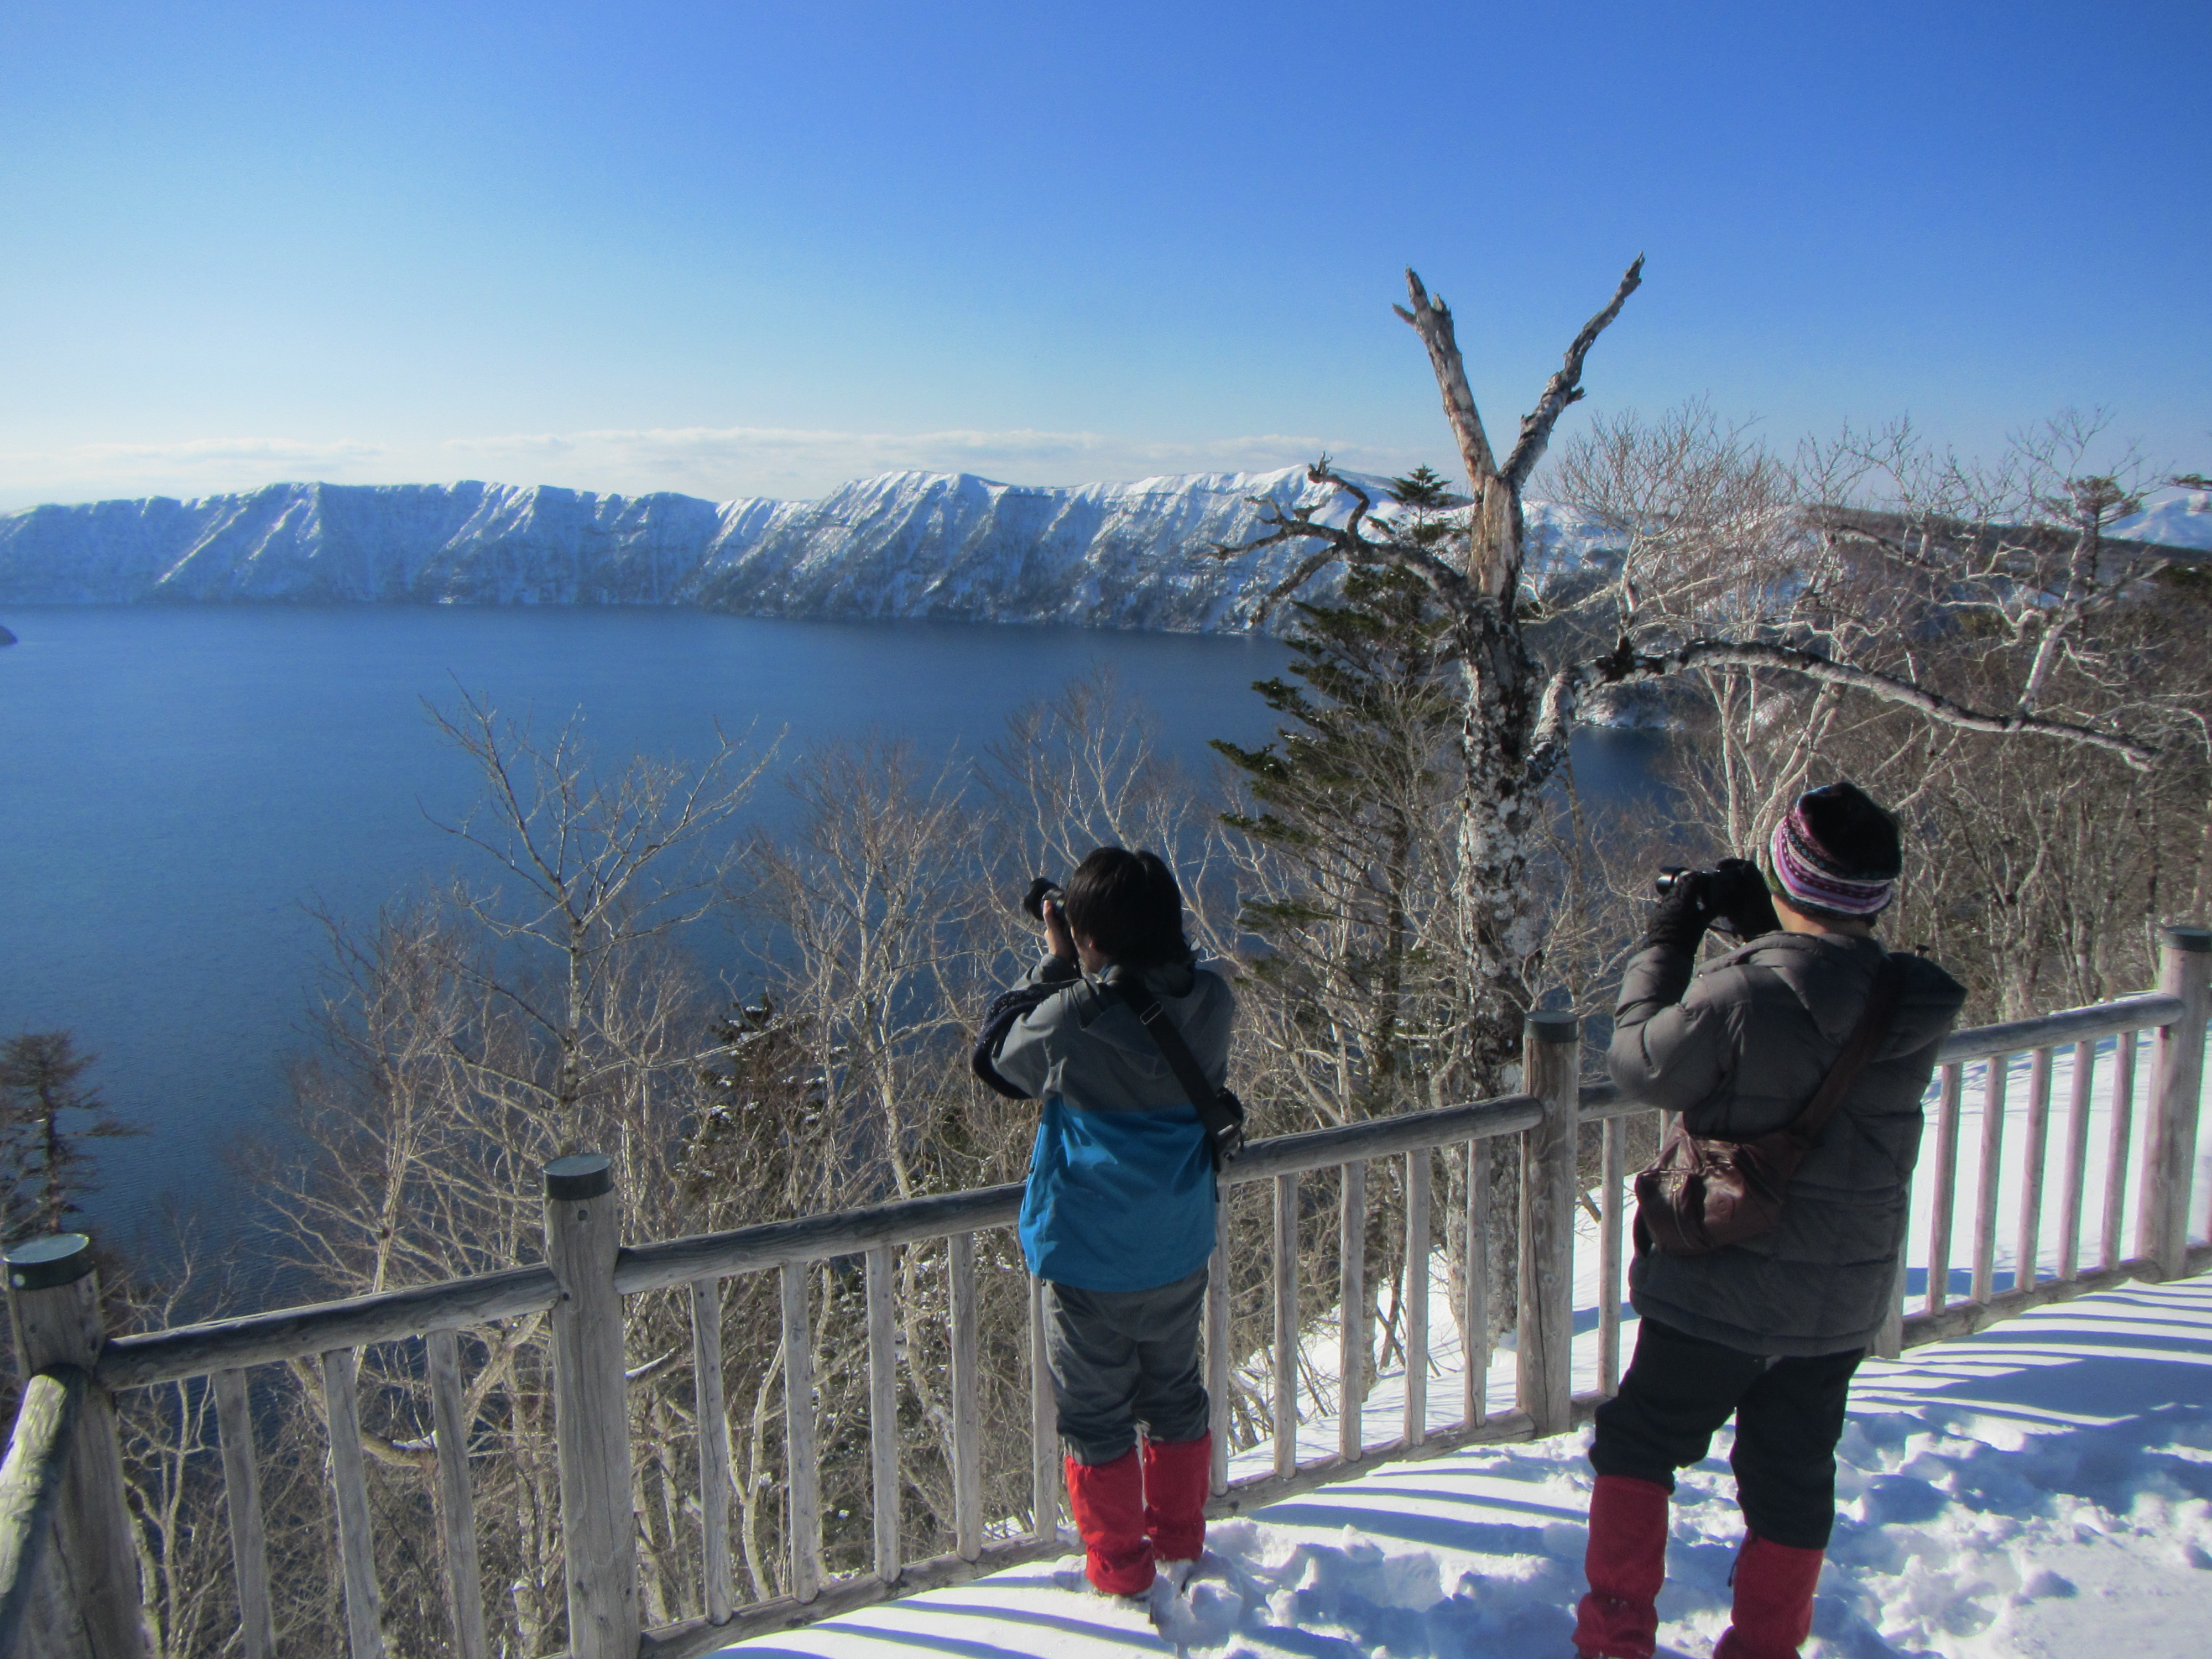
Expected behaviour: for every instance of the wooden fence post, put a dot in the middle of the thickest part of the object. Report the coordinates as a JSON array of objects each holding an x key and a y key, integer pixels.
[
  {"x": 591, "y": 1408},
  {"x": 1551, "y": 1061},
  {"x": 1044, "y": 1428},
  {"x": 30, "y": 1492},
  {"x": 53, "y": 1301},
  {"x": 2177, "y": 1079},
  {"x": 1217, "y": 1348}
]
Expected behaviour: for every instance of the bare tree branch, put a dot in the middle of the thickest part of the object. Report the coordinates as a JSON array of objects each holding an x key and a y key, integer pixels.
[
  {"x": 1628, "y": 666},
  {"x": 1565, "y": 386},
  {"x": 1431, "y": 320},
  {"x": 1494, "y": 539},
  {"x": 1348, "y": 546}
]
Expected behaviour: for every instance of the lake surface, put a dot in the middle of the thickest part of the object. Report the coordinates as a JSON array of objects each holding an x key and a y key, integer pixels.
[{"x": 177, "y": 786}]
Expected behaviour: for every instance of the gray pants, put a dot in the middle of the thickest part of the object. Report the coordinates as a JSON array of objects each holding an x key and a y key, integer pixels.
[{"x": 1123, "y": 1358}]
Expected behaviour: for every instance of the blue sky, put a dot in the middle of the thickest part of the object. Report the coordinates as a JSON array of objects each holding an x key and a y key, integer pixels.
[{"x": 746, "y": 249}]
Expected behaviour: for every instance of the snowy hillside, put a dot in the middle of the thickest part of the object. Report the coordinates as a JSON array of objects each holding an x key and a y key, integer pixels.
[{"x": 901, "y": 545}]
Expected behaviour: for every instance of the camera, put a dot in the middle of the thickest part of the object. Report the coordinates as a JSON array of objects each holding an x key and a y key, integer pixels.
[
  {"x": 1043, "y": 887},
  {"x": 1732, "y": 892}
]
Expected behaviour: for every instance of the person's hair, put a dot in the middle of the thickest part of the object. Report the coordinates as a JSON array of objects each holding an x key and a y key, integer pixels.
[
  {"x": 1128, "y": 906},
  {"x": 1819, "y": 912},
  {"x": 1855, "y": 839}
]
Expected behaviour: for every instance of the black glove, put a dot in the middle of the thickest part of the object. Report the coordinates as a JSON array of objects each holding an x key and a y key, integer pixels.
[
  {"x": 1739, "y": 901},
  {"x": 1680, "y": 920}
]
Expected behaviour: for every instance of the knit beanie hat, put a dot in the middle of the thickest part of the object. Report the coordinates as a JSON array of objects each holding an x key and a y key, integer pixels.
[{"x": 1836, "y": 850}]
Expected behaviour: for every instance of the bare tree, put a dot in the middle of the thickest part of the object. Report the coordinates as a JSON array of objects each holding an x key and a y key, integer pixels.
[
  {"x": 596, "y": 870},
  {"x": 1518, "y": 711},
  {"x": 1990, "y": 584}
]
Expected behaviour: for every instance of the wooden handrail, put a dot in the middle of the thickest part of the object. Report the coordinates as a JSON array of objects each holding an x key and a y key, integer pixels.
[
  {"x": 2146, "y": 1012},
  {"x": 296, "y": 1333},
  {"x": 392, "y": 1315},
  {"x": 2099, "y": 1019},
  {"x": 851, "y": 1232},
  {"x": 135, "y": 1362},
  {"x": 587, "y": 1277},
  {"x": 814, "y": 1237},
  {"x": 1381, "y": 1137}
]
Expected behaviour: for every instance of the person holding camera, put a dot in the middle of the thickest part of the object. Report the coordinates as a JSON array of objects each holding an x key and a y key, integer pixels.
[
  {"x": 1809, "y": 1046},
  {"x": 1118, "y": 1217}
]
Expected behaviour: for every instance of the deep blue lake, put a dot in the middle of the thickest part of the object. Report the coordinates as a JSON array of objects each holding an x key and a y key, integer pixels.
[{"x": 178, "y": 785}]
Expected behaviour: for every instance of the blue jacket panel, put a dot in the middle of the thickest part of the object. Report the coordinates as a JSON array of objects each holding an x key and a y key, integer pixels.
[{"x": 1117, "y": 1200}]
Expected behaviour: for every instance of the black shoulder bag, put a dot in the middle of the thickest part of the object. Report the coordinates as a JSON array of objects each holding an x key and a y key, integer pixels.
[
  {"x": 1218, "y": 1110},
  {"x": 1702, "y": 1194}
]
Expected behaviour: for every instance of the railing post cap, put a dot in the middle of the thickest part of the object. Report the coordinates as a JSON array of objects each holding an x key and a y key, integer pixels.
[
  {"x": 41, "y": 1264},
  {"x": 2195, "y": 940},
  {"x": 582, "y": 1175},
  {"x": 1552, "y": 1024}
]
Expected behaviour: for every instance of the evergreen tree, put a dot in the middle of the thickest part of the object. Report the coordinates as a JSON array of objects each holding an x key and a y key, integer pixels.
[
  {"x": 1347, "y": 797},
  {"x": 46, "y": 1112}
]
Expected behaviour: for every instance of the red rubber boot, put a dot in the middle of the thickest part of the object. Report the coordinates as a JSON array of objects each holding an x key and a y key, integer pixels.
[
  {"x": 1626, "y": 1564},
  {"x": 1107, "y": 1503},
  {"x": 1773, "y": 1602},
  {"x": 1178, "y": 1478}
]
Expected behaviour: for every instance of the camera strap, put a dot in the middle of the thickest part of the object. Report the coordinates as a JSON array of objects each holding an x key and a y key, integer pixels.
[{"x": 1219, "y": 1109}]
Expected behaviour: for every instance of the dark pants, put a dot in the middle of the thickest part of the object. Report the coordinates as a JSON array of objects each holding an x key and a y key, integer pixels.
[
  {"x": 1123, "y": 1358},
  {"x": 1789, "y": 1416}
]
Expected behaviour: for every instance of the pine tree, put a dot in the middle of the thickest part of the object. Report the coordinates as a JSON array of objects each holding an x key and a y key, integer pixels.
[
  {"x": 1346, "y": 796},
  {"x": 43, "y": 1163}
]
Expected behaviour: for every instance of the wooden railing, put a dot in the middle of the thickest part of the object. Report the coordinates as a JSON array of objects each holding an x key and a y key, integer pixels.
[{"x": 68, "y": 1565}]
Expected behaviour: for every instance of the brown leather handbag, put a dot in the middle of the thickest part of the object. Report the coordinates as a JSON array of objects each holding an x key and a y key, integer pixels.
[{"x": 1702, "y": 1194}]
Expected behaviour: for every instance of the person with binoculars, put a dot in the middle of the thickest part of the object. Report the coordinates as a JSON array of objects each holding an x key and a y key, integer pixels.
[
  {"x": 1125, "y": 1039},
  {"x": 1770, "y": 1228}
]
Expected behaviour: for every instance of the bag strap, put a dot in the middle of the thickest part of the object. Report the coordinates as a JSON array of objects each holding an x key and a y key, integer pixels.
[
  {"x": 1875, "y": 1021},
  {"x": 1217, "y": 1109}
]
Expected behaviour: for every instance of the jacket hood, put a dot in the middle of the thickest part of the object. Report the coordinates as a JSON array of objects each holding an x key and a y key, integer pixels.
[
  {"x": 1832, "y": 973},
  {"x": 1193, "y": 999}
]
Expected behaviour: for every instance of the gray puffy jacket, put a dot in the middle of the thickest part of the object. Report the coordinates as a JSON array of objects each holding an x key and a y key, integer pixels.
[{"x": 1740, "y": 1048}]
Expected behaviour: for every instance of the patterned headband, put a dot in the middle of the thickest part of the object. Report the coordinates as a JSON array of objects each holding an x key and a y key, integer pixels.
[{"x": 1808, "y": 875}]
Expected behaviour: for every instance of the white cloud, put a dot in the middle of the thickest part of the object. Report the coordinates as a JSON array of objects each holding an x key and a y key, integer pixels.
[
  {"x": 194, "y": 466},
  {"x": 720, "y": 462}
]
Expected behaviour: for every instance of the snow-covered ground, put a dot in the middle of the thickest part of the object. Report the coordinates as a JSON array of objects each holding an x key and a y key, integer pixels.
[{"x": 2034, "y": 1491}]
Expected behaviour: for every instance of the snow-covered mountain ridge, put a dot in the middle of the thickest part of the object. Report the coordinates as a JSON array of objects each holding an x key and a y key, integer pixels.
[{"x": 904, "y": 544}]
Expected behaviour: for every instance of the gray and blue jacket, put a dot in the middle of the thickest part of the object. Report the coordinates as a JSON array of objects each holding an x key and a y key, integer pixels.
[{"x": 1120, "y": 1191}]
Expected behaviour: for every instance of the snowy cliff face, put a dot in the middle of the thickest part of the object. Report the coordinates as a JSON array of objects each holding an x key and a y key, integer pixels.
[
  {"x": 335, "y": 544},
  {"x": 905, "y": 545}
]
